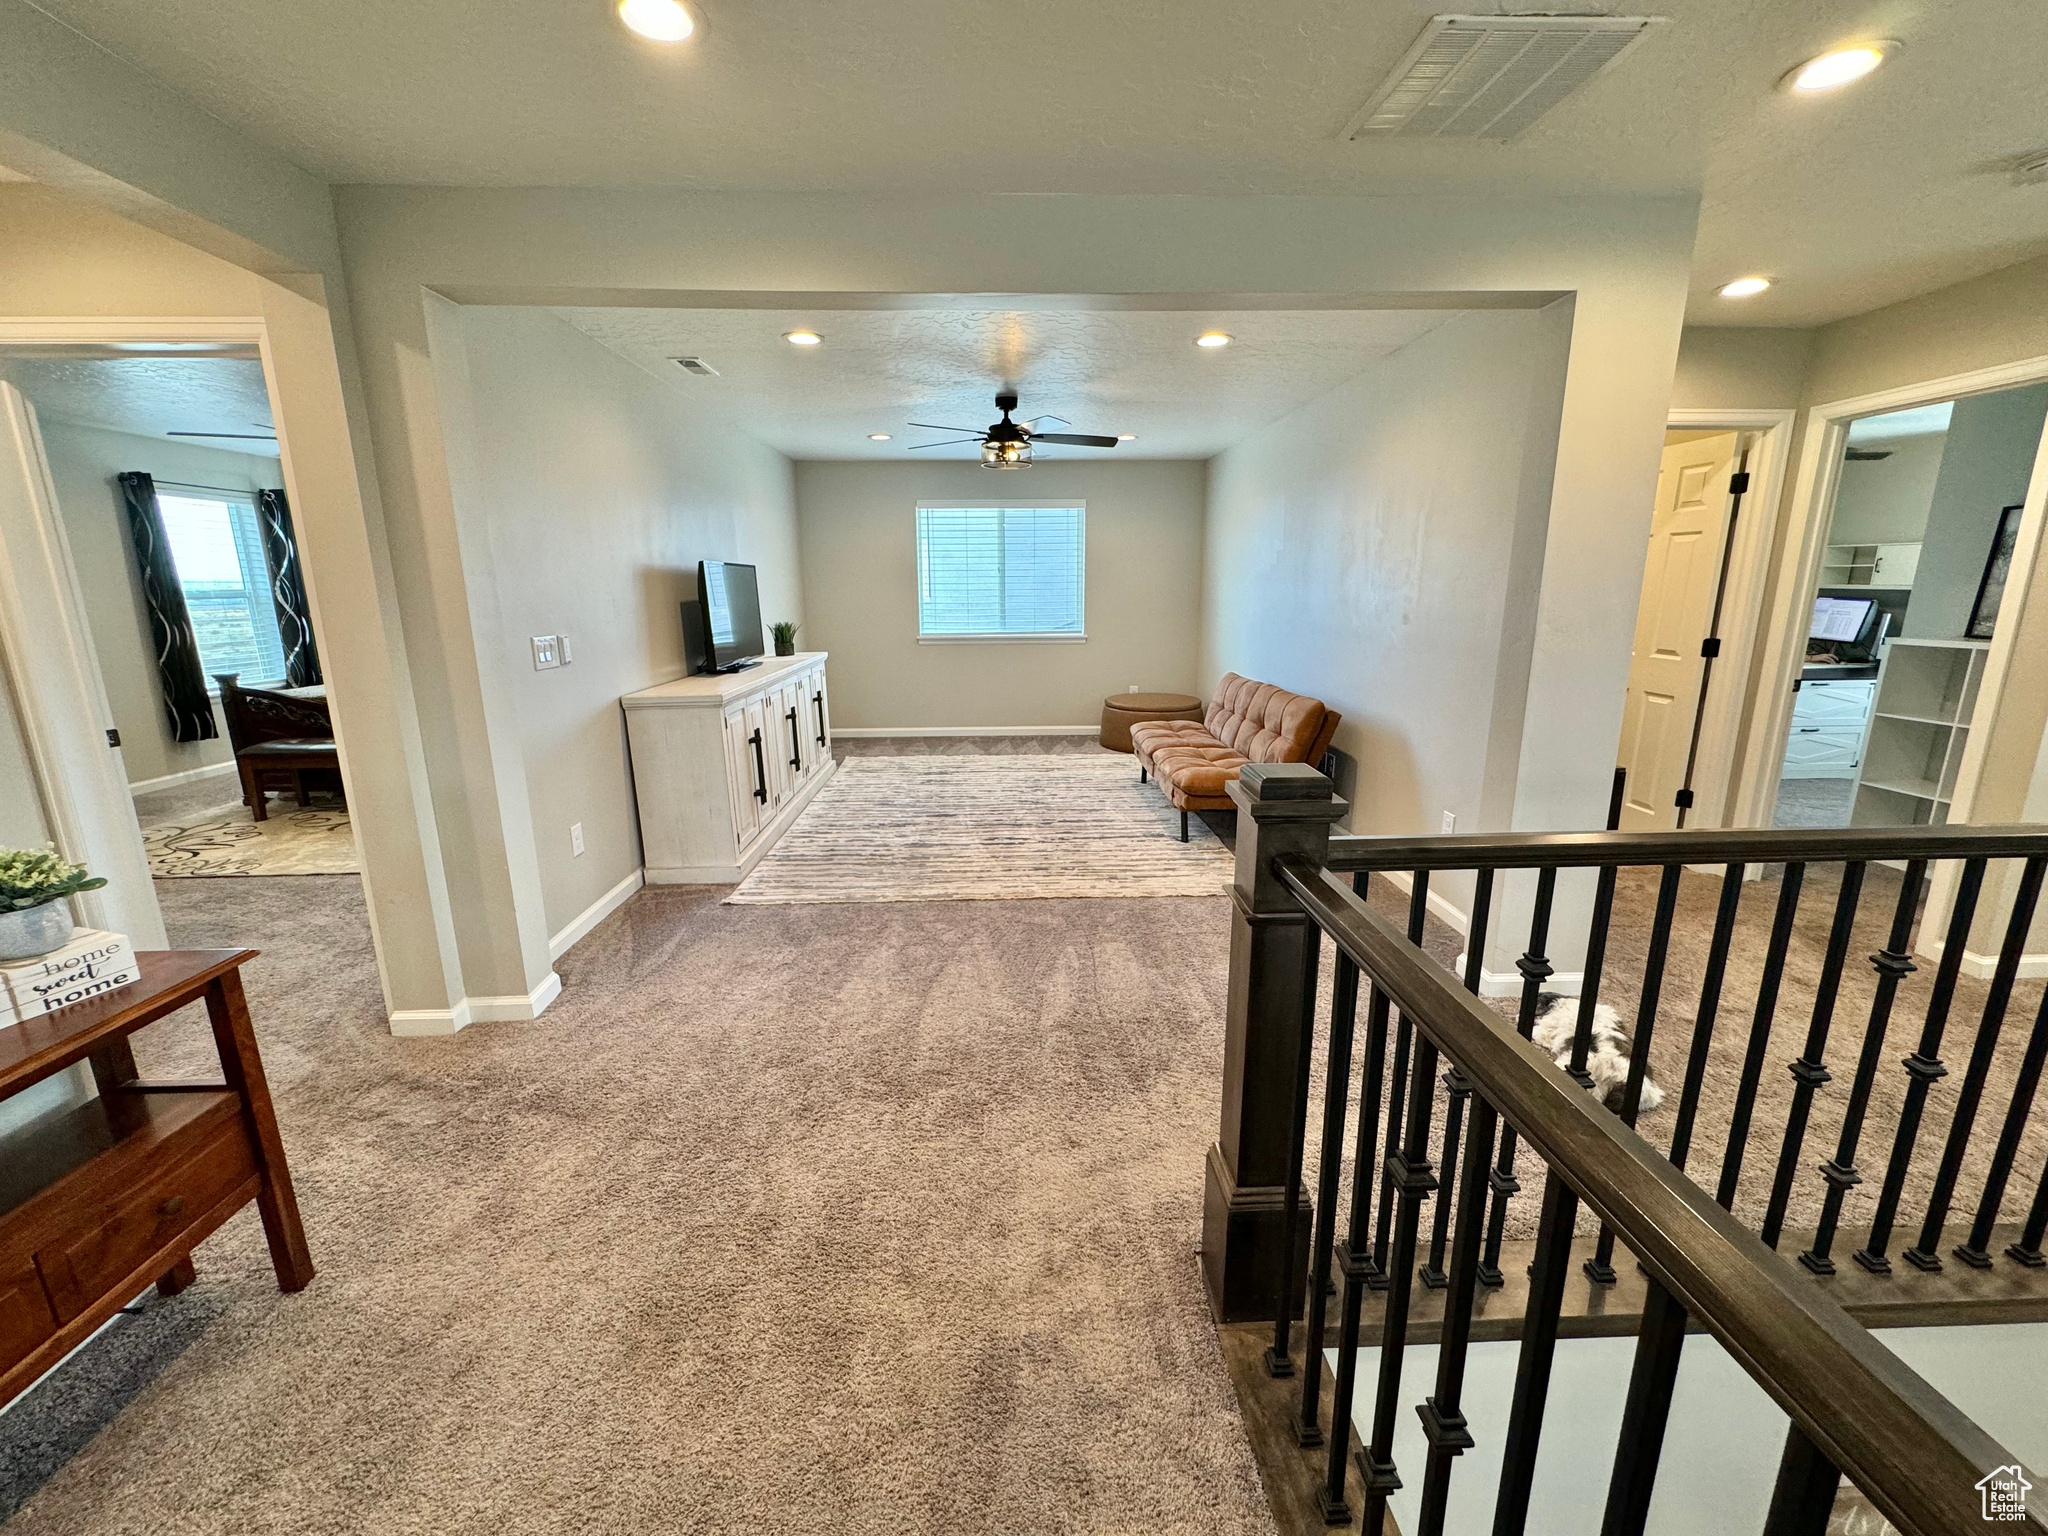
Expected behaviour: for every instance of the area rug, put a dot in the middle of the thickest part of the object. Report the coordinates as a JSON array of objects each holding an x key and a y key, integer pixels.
[
  {"x": 291, "y": 842},
  {"x": 987, "y": 828}
]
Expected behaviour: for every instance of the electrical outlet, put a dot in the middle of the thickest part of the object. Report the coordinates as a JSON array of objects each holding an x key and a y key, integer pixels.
[
  {"x": 1450, "y": 822},
  {"x": 546, "y": 652},
  {"x": 1134, "y": 687},
  {"x": 576, "y": 838}
]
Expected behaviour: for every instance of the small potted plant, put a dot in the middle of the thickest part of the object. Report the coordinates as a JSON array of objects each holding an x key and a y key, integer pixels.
[
  {"x": 785, "y": 638},
  {"x": 34, "y": 883}
]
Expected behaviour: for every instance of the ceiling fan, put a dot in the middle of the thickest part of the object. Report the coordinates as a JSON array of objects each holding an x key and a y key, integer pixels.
[{"x": 1006, "y": 444}]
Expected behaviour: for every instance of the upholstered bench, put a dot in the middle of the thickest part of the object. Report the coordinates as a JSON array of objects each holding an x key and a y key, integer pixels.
[{"x": 1247, "y": 722}]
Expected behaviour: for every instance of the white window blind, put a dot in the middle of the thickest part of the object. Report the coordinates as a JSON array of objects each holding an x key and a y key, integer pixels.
[
  {"x": 1000, "y": 571},
  {"x": 218, "y": 551}
]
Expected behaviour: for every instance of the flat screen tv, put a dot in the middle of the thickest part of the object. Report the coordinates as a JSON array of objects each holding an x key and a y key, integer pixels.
[{"x": 730, "y": 600}]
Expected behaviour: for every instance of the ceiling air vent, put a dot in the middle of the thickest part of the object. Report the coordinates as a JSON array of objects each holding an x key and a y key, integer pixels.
[
  {"x": 1489, "y": 77},
  {"x": 698, "y": 366}
]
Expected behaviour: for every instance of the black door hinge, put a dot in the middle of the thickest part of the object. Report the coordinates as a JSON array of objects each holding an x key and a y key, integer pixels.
[
  {"x": 1738, "y": 483},
  {"x": 113, "y": 738},
  {"x": 1710, "y": 647},
  {"x": 1684, "y": 801}
]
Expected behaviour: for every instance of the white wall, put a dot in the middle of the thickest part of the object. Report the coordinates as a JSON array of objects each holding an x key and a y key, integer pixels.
[
  {"x": 602, "y": 487},
  {"x": 1885, "y": 501},
  {"x": 1381, "y": 548},
  {"x": 83, "y": 462},
  {"x": 1143, "y": 591},
  {"x": 1986, "y": 462}
]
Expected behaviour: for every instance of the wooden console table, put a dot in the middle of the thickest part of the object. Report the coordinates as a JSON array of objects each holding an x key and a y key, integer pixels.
[{"x": 98, "y": 1201}]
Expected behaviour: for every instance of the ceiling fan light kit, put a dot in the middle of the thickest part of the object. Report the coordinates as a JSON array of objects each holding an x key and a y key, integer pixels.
[{"x": 1007, "y": 444}]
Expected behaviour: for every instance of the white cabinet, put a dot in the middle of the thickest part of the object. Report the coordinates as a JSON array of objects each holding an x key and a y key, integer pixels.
[
  {"x": 1828, "y": 720},
  {"x": 723, "y": 765},
  {"x": 1869, "y": 565},
  {"x": 1926, "y": 698},
  {"x": 1895, "y": 565}
]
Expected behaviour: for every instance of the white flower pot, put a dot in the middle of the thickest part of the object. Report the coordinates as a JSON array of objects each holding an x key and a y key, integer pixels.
[{"x": 33, "y": 931}]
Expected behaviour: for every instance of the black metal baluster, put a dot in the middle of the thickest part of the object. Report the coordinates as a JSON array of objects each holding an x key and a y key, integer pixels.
[
  {"x": 1535, "y": 968},
  {"x": 1760, "y": 1033},
  {"x": 1809, "y": 1071},
  {"x": 1972, "y": 1252},
  {"x": 1589, "y": 988},
  {"x": 1892, "y": 964},
  {"x": 1330, "y": 1164},
  {"x": 1923, "y": 1068},
  {"x": 1418, "y": 910},
  {"x": 1456, "y": 1089},
  {"x": 1923, "y": 1255},
  {"x": 1709, "y": 1013},
  {"x": 1409, "y": 1173},
  {"x": 2027, "y": 1250},
  {"x": 1279, "y": 1362},
  {"x": 1443, "y": 1424},
  {"x": 1660, "y": 1339},
  {"x": 1804, "y": 1496},
  {"x": 1354, "y": 1261},
  {"x": 1600, "y": 1267},
  {"x": 1532, "y": 1365}
]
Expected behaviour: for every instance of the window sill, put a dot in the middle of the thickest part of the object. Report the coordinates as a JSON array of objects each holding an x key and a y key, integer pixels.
[{"x": 1062, "y": 638}]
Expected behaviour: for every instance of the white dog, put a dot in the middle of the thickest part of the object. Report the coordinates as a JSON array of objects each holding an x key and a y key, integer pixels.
[{"x": 1557, "y": 1020}]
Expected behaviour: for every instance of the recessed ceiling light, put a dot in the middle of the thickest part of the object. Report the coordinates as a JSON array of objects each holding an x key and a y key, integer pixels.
[
  {"x": 1212, "y": 339},
  {"x": 1744, "y": 287},
  {"x": 661, "y": 21},
  {"x": 802, "y": 338},
  {"x": 1838, "y": 67},
  {"x": 878, "y": 437},
  {"x": 1127, "y": 437}
]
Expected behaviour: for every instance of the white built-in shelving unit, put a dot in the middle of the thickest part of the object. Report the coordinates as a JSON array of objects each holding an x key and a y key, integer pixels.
[
  {"x": 1919, "y": 725},
  {"x": 1869, "y": 565}
]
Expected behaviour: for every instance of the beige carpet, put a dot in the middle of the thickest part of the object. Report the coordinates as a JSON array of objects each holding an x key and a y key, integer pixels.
[
  {"x": 969, "y": 828},
  {"x": 834, "y": 1218},
  {"x": 291, "y": 841}
]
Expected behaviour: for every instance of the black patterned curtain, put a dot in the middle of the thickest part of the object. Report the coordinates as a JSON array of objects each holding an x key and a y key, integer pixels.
[
  {"x": 186, "y": 705},
  {"x": 288, "y": 590}
]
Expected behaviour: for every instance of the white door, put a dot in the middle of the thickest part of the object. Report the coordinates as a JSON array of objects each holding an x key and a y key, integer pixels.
[
  {"x": 65, "y": 720},
  {"x": 1681, "y": 578}
]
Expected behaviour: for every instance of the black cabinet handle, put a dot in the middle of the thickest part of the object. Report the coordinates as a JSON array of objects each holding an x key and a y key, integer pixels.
[
  {"x": 818, "y": 699},
  {"x": 760, "y": 769},
  {"x": 796, "y": 741}
]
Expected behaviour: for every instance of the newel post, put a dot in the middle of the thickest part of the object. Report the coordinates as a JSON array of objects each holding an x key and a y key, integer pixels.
[{"x": 1284, "y": 809}]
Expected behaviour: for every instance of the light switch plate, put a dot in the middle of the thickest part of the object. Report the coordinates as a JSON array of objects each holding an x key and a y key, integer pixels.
[
  {"x": 567, "y": 657},
  {"x": 1450, "y": 822},
  {"x": 576, "y": 838},
  {"x": 546, "y": 652}
]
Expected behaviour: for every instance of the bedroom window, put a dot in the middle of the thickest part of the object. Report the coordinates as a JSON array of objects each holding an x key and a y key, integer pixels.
[
  {"x": 1001, "y": 572},
  {"x": 217, "y": 548}
]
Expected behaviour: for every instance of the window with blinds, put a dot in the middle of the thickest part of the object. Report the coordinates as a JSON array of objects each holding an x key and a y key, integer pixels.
[{"x": 1000, "y": 572}]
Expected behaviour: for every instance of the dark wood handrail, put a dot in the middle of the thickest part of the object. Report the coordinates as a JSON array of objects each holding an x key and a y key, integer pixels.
[
  {"x": 1570, "y": 850},
  {"x": 1910, "y": 1450}
]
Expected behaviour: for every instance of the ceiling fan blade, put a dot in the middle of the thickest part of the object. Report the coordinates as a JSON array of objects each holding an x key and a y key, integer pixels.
[
  {"x": 254, "y": 437},
  {"x": 1032, "y": 424},
  {"x": 1074, "y": 439},
  {"x": 933, "y": 426},
  {"x": 951, "y": 442}
]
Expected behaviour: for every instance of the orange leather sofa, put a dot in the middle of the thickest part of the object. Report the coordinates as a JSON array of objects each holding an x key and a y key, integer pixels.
[{"x": 1246, "y": 722}]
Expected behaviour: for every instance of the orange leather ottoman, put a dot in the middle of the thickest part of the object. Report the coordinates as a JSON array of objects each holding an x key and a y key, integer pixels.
[{"x": 1121, "y": 711}]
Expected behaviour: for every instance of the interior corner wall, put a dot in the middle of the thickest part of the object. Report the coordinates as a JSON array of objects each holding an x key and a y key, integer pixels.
[
  {"x": 601, "y": 489},
  {"x": 83, "y": 461},
  {"x": 1142, "y": 588},
  {"x": 1986, "y": 461},
  {"x": 1741, "y": 368},
  {"x": 1380, "y": 548}
]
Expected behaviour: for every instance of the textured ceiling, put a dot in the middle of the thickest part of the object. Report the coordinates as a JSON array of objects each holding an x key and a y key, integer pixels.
[
  {"x": 1920, "y": 421},
  {"x": 1106, "y": 372},
  {"x": 152, "y": 396},
  {"x": 1860, "y": 198}
]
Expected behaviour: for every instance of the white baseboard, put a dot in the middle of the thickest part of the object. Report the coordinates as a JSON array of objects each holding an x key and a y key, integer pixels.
[
  {"x": 873, "y": 731},
  {"x": 594, "y": 914},
  {"x": 189, "y": 776},
  {"x": 1509, "y": 983},
  {"x": 2032, "y": 967},
  {"x": 512, "y": 1008}
]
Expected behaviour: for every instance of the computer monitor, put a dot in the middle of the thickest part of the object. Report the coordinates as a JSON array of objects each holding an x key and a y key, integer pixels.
[{"x": 1842, "y": 620}]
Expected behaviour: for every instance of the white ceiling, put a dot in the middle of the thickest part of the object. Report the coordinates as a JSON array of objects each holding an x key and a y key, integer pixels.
[
  {"x": 150, "y": 396},
  {"x": 1105, "y": 371},
  {"x": 1888, "y": 188},
  {"x": 1919, "y": 421}
]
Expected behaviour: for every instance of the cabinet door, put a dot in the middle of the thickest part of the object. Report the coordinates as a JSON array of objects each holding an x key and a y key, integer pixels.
[
  {"x": 1812, "y": 754},
  {"x": 739, "y": 779},
  {"x": 1896, "y": 565},
  {"x": 1832, "y": 706},
  {"x": 789, "y": 733},
  {"x": 818, "y": 717}
]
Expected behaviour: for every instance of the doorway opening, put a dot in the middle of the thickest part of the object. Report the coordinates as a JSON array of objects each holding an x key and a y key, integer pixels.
[{"x": 1903, "y": 607}]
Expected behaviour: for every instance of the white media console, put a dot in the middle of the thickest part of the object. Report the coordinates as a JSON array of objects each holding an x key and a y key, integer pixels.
[{"x": 723, "y": 764}]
